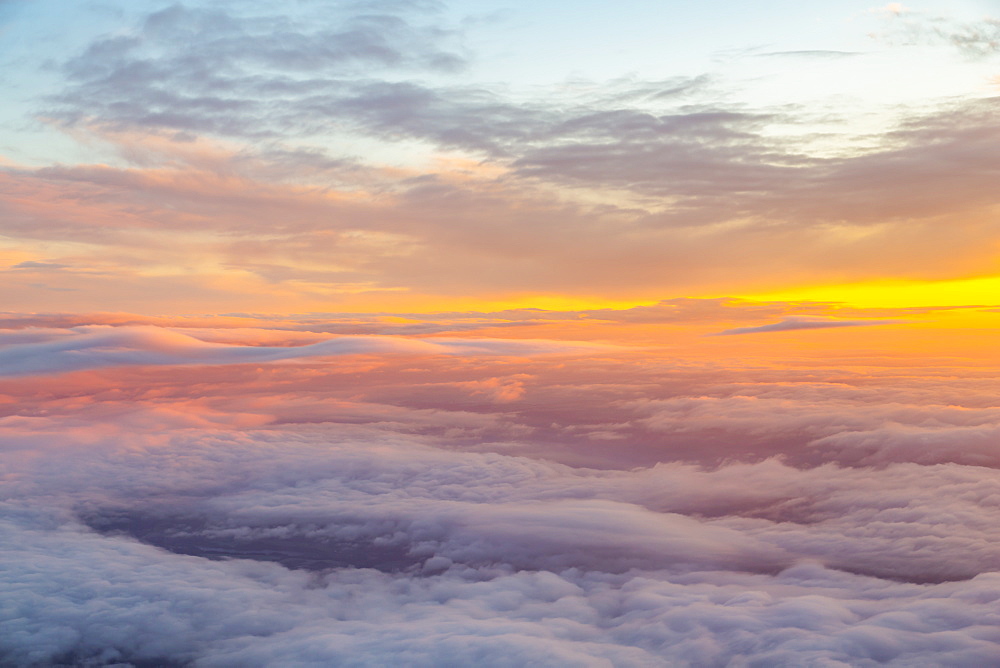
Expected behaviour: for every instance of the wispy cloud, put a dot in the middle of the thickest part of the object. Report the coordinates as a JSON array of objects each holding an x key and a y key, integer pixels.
[
  {"x": 98, "y": 347},
  {"x": 907, "y": 27},
  {"x": 223, "y": 121},
  {"x": 791, "y": 324}
]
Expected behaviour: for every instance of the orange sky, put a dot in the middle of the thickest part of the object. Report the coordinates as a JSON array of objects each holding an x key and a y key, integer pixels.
[{"x": 437, "y": 195}]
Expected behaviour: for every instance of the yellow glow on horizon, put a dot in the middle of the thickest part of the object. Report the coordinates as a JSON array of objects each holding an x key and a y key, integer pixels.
[
  {"x": 983, "y": 291},
  {"x": 417, "y": 304}
]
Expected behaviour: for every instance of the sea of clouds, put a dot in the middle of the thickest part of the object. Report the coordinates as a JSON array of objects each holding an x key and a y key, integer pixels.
[{"x": 170, "y": 501}]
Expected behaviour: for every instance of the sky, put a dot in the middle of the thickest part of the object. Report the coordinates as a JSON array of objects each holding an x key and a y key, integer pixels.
[{"x": 469, "y": 333}]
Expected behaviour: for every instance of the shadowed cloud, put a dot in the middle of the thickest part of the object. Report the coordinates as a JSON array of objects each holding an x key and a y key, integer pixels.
[
  {"x": 790, "y": 324},
  {"x": 97, "y": 347},
  {"x": 408, "y": 503}
]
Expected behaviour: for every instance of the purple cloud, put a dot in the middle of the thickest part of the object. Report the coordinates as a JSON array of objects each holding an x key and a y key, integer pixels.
[{"x": 789, "y": 324}]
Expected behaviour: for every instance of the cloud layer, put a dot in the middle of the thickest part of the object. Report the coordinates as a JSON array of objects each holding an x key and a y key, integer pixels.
[
  {"x": 444, "y": 501},
  {"x": 329, "y": 156},
  {"x": 99, "y": 347},
  {"x": 502, "y": 557},
  {"x": 503, "y": 428},
  {"x": 803, "y": 323}
]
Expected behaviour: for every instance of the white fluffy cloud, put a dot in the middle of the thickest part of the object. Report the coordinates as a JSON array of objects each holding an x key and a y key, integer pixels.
[
  {"x": 502, "y": 560},
  {"x": 189, "y": 502}
]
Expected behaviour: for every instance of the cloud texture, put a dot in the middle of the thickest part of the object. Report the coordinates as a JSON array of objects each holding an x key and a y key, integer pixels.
[
  {"x": 802, "y": 323},
  {"x": 406, "y": 504},
  {"x": 454, "y": 399},
  {"x": 330, "y": 154},
  {"x": 89, "y": 348}
]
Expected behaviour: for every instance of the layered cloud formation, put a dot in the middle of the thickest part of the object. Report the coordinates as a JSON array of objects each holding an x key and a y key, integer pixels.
[
  {"x": 431, "y": 558},
  {"x": 389, "y": 500},
  {"x": 423, "y": 334},
  {"x": 88, "y": 348},
  {"x": 241, "y": 159}
]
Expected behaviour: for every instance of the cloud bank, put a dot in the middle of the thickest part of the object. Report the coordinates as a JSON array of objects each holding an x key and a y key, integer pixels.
[
  {"x": 98, "y": 347},
  {"x": 437, "y": 474},
  {"x": 276, "y": 546},
  {"x": 177, "y": 502}
]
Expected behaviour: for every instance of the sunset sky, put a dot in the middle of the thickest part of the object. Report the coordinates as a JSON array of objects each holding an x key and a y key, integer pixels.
[
  {"x": 461, "y": 333},
  {"x": 411, "y": 156}
]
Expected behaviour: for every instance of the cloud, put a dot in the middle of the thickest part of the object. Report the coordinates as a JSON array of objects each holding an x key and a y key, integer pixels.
[
  {"x": 672, "y": 563},
  {"x": 216, "y": 84},
  {"x": 433, "y": 489},
  {"x": 39, "y": 265},
  {"x": 596, "y": 406},
  {"x": 812, "y": 53},
  {"x": 975, "y": 39},
  {"x": 893, "y": 8},
  {"x": 673, "y": 177},
  {"x": 97, "y": 347},
  {"x": 440, "y": 240},
  {"x": 790, "y": 324},
  {"x": 687, "y": 311},
  {"x": 436, "y": 501},
  {"x": 394, "y": 174}
]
